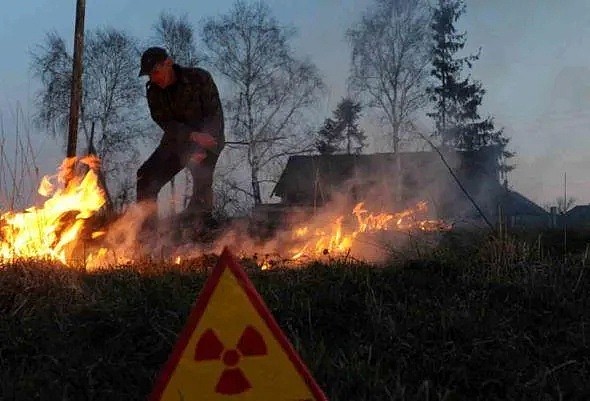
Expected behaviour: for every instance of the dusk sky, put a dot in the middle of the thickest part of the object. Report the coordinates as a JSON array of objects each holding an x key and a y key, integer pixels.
[{"x": 535, "y": 66}]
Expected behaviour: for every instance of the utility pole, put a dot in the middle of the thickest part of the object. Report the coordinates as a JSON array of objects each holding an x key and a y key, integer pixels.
[
  {"x": 76, "y": 88},
  {"x": 565, "y": 217}
]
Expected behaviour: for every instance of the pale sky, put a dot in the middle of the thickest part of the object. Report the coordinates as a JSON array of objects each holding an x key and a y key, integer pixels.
[{"x": 535, "y": 66}]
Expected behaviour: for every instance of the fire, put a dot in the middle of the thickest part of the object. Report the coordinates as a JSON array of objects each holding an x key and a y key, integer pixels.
[
  {"x": 335, "y": 239},
  {"x": 51, "y": 231}
]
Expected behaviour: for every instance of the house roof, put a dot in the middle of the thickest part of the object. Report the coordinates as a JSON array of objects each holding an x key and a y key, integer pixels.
[
  {"x": 476, "y": 170},
  {"x": 579, "y": 212},
  {"x": 514, "y": 203},
  {"x": 300, "y": 171}
]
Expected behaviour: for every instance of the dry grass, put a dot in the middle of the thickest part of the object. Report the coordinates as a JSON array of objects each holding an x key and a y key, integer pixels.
[
  {"x": 18, "y": 162},
  {"x": 470, "y": 320}
]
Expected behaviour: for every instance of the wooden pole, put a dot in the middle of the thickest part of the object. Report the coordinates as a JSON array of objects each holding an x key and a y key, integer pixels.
[
  {"x": 565, "y": 217},
  {"x": 76, "y": 88}
]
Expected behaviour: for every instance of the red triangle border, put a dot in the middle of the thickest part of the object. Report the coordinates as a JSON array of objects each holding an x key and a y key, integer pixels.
[{"x": 226, "y": 260}]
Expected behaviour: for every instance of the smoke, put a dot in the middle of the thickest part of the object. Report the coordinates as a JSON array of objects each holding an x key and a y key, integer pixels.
[
  {"x": 365, "y": 218},
  {"x": 139, "y": 235},
  {"x": 340, "y": 229}
]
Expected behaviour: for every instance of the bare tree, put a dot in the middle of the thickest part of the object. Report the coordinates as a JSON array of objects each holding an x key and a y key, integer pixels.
[
  {"x": 565, "y": 204},
  {"x": 177, "y": 35},
  {"x": 562, "y": 205},
  {"x": 271, "y": 89},
  {"x": 110, "y": 118},
  {"x": 390, "y": 58},
  {"x": 52, "y": 64}
]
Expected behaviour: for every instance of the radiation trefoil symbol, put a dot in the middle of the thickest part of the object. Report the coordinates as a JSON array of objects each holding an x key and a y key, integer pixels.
[{"x": 232, "y": 380}]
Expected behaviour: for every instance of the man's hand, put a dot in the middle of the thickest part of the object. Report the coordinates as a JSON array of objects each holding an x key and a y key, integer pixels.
[{"x": 204, "y": 140}]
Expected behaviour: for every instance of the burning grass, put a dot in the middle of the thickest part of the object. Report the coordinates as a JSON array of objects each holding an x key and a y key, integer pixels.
[
  {"x": 50, "y": 231},
  {"x": 466, "y": 320},
  {"x": 61, "y": 229}
]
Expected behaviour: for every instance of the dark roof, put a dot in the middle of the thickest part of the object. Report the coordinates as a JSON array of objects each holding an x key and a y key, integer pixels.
[
  {"x": 334, "y": 168},
  {"x": 514, "y": 203},
  {"x": 300, "y": 171},
  {"x": 579, "y": 212}
]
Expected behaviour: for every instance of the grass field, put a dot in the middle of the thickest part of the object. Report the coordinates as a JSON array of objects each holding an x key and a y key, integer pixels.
[{"x": 485, "y": 319}]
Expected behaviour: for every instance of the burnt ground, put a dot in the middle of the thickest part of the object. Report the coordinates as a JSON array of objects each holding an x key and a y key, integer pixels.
[{"x": 485, "y": 319}]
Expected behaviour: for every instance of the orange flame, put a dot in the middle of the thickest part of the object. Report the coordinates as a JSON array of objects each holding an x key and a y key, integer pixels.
[
  {"x": 50, "y": 231},
  {"x": 53, "y": 230},
  {"x": 336, "y": 240}
]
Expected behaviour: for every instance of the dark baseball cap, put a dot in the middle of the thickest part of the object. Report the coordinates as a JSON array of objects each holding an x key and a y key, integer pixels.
[{"x": 150, "y": 58}]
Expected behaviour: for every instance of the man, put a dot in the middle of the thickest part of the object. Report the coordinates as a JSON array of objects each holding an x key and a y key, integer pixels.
[{"x": 185, "y": 103}]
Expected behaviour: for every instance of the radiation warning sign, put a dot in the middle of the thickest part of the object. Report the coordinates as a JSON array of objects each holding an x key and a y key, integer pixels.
[{"x": 232, "y": 348}]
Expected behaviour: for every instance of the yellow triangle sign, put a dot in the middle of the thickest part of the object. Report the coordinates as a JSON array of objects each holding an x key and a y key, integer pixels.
[{"x": 232, "y": 348}]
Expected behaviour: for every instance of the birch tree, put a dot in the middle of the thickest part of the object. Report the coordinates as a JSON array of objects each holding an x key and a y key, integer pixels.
[
  {"x": 177, "y": 35},
  {"x": 389, "y": 61},
  {"x": 270, "y": 88},
  {"x": 111, "y": 119}
]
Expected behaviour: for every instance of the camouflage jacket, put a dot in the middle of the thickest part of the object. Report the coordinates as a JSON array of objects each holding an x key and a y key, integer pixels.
[{"x": 190, "y": 104}]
